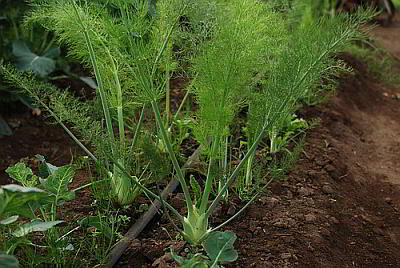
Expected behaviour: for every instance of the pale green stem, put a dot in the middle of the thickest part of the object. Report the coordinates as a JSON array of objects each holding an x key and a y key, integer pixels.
[
  {"x": 49, "y": 44},
  {"x": 249, "y": 170},
  {"x": 145, "y": 190},
  {"x": 210, "y": 175},
  {"x": 136, "y": 134},
  {"x": 15, "y": 28},
  {"x": 121, "y": 126},
  {"x": 273, "y": 135},
  {"x": 172, "y": 156},
  {"x": 98, "y": 75},
  {"x": 167, "y": 89},
  {"x": 181, "y": 105},
  {"x": 224, "y": 168},
  {"x": 235, "y": 172},
  {"x": 88, "y": 184},
  {"x": 44, "y": 39},
  {"x": 242, "y": 209}
]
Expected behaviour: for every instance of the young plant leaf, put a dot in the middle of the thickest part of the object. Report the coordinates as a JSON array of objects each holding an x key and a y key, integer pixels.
[
  {"x": 23, "y": 174},
  {"x": 9, "y": 220},
  {"x": 219, "y": 247},
  {"x": 57, "y": 183},
  {"x": 29, "y": 61},
  {"x": 8, "y": 261},
  {"x": 192, "y": 261},
  {"x": 88, "y": 81},
  {"x": 45, "y": 169},
  {"x": 35, "y": 226},
  {"x": 15, "y": 199}
]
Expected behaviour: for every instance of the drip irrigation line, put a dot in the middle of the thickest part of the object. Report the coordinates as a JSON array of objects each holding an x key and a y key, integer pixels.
[{"x": 141, "y": 223}]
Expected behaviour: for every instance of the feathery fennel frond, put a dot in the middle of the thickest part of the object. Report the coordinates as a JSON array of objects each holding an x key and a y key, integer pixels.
[
  {"x": 302, "y": 65},
  {"x": 225, "y": 66}
]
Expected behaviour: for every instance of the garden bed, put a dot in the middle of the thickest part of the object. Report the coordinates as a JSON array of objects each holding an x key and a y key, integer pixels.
[{"x": 338, "y": 207}]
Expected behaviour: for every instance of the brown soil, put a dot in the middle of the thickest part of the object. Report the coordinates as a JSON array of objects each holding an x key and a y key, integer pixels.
[
  {"x": 31, "y": 135},
  {"x": 339, "y": 207}
]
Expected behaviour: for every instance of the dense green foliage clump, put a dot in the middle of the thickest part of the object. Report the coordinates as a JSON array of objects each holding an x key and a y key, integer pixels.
[{"x": 241, "y": 55}]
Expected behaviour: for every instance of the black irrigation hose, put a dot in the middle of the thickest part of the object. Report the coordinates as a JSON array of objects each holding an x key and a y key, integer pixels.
[{"x": 141, "y": 223}]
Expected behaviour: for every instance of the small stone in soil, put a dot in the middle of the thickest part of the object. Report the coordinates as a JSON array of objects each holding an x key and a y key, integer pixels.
[
  {"x": 310, "y": 218},
  {"x": 327, "y": 189},
  {"x": 231, "y": 210},
  {"x": 304, "y": 191},
  {"x": 334, "y": 220},
  {"x": 270, "y": 202},
  {"x": 286, "y": 256}
]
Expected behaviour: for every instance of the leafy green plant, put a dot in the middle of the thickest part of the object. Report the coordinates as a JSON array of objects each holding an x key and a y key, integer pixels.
[
  {"x": 246, "y": 39},
  {"x": 30, "y": 49},
  {"x": 125, "y": 53},
  {"x": 219, "y": 248},
  {"x": 296, "y": 75},
  {"x": 279, "y": 140},
  {"x": 39, "y": 194},
  {"x": 8, "y": 261},
  {"x": 16, "y": 200},
  {"x": 26, "y": 60}
]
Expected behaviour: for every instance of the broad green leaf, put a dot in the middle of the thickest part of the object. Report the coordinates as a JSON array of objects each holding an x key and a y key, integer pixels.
[
  {"x": 99, "y": 223},
  {"x": 57, "y": 182},
  {"x": 5, "y": 130},
  {"x": 69, "y": 247},
  {"x": 9, "y": 220},
  {"x": 219, "y": 247},
  {"x": 192, "y": 261},
  {"x": 15, "y": 199},
  {"x": 52, "y": 53},
  {"x": 45, "y": 169},
  {"x": 8, "y": 261},
  {"x": 35, "y": 226},
  {"x": 23, "y": 174},
  {"x": 29, "y": 61},
  {"x": 15, "y": 188}
]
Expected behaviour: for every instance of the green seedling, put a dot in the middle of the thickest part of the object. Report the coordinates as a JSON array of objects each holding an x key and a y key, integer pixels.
[
  {"x": 293, "y": 126},
  {"x": 219, "y": 248},
  {"x": 37, "y": 199}
]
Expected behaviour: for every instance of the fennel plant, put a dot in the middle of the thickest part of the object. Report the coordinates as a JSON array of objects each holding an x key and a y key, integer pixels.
[
  {"x": 125, "y": 52},
  {"x": 296, "y": 74}
]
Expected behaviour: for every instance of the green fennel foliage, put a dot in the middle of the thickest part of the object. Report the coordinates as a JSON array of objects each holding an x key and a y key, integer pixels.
[
  {"x": 124, "y": 47},
  {"x": 249, "y": 56},
  {"x": 296, "y": 75}
]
